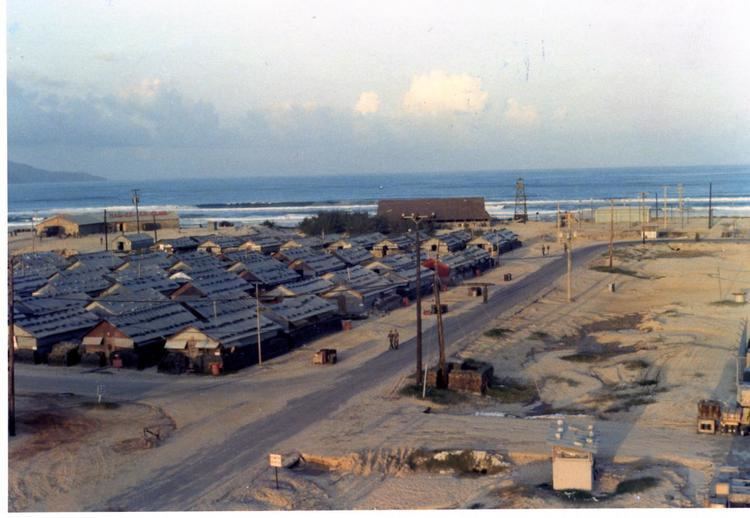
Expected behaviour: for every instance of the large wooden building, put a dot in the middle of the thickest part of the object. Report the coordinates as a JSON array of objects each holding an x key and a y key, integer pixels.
[
  {"x": 449, "y": 212},
  {"x": 93, "y": 223}
]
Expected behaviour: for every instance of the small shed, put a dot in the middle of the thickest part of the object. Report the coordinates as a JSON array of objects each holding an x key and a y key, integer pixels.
[
  {"x": 131, "y": 242},
  {"x": 261, "y": 243},
  {"x": 219, "y": 244},
  {"x": 393, "y": 245},
  {"x": 573, "y": 451}
]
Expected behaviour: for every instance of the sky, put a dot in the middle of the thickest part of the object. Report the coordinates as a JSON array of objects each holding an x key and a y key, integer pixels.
[{"x": 184, "y": 88}]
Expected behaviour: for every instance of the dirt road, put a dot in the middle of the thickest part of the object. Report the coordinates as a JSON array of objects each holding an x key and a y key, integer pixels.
[{"x": 179, "y": 486}]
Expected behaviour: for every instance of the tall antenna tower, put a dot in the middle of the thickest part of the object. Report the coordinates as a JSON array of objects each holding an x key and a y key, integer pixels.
[
  {"x": 521, "y": 213},
  {"x": 136, "y": 201}
]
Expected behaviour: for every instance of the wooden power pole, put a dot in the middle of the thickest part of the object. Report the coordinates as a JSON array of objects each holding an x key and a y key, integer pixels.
[
  {"x": 570, "y": 256},
  {"x": 611, "y": 231},
  {"x": 257, "y": 321},
  {"x": 442, "y": 378},
  {"x": 156, "y": 237},
  {"x": 417, "y": 219},
  {"x": 11, "y": 355}
]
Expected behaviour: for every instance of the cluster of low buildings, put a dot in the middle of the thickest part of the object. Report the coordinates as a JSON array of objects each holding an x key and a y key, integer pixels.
[{"x": 191, "y": 303}]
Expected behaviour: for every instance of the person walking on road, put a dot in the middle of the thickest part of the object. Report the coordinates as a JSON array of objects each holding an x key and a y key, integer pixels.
[
  {"x": 395, "y": 338},
  {"x": 391, "y": 339}
]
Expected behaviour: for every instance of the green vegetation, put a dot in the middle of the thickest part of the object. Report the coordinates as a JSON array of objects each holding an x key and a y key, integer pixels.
[
  {"x": 634, "y": 365},
  {"x": 507, "y": 390},
  {"x": 104, "y": 405},
  {"x": 497, "y": 332},
  {"x": 338, "y": 221},
  {"x": 629, "y": 402},
  {"x": 559, "y": 379},
  {"x": 541, "y": 336},
  {"x": 636, "y": 485},
  {"x": 727, "y": 303},
  {"x": 434, "y": 395},
  {"x": 621, "y": 271},
  {"x": 633, "y": 485},
  {"x": 588, "y": 356}
]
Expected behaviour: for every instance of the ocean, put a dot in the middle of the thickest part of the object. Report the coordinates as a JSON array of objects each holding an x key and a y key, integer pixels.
[{"x": 286, "y": 200}]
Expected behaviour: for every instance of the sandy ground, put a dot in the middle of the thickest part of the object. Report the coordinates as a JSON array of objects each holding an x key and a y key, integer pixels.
[{"x": 645, "y": 355}]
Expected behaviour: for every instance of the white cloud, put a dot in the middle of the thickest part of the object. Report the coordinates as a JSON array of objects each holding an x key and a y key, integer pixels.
[
  {"x": 146, "y": 89},
  {"x": 368, "y": 102},
  {"x": 520, "y": 114},
  {"x": 438, "y": 92}
]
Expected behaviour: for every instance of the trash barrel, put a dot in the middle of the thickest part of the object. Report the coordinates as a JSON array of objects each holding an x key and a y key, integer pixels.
[
  {"x": 215, "y": 369},
  {"x": 117, "y": 362},
  {"x": 611, "y": 287}
]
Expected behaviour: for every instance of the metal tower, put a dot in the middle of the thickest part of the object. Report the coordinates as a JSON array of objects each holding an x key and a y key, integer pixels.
[{"x": 520, "y": 213}]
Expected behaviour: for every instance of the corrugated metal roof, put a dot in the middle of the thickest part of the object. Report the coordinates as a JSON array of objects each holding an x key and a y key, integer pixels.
[
  {"x": 158, "y": 321},
  {"x": 319, "y": 263},
  {"x": 297, "y": 310},
  {"x": 312, "y": 285},
  {"x": 63, "y": 321},
  {"x": 353, "y": 256}
]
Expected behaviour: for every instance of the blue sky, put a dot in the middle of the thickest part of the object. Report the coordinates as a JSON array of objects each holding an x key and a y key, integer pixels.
[{"x": 223, "y": 88}]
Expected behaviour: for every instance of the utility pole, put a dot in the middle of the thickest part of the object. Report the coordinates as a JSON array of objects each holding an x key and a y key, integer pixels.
[
  {"x": 136, "y": 201},
  {"x": 718, "y": 278},
  {"x": 710, "y": 200},
  {"x": 417, "y": 219},
  {"x": 106, "y": 232},
  {"x": 257, "y": 321},
  {"x": 666, "y": 214},
  {"x": 558, "y": 222},
  {"x": 681, "y": 204},
  {"x": 153, "y": 216},
  {"x": 33, "y": 234},
  {"x": 611, "y": 233},
  {"x": 442, "y": 380},
  {"x": 11, "y": 355},
  {"x": 570, "y": 258}
]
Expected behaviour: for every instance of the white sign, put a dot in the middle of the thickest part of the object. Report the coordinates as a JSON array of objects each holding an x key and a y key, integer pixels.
[{"x": 274, "y": 460}]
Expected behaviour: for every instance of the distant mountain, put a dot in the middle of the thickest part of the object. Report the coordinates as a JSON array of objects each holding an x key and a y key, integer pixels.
[{"x": 22, "y": 173}]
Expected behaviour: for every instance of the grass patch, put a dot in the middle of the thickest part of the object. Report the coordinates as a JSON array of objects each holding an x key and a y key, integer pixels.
[
  {"x": 541, "y": 336},
  {"x": 621, "y": 271},
  {"x": 559, "y": 379},
  {"x": 587, "y": 357},
  {"x": 626, "y": 404},
  {"x": 507, "y": 390},
  {"x": 636, "y": 485},
  {"x": 634, "y": 365},
  {"x": 681, "y": 254},
  {"x": 434, "y": 395},
  {"x": 572, "y": 495},
  {"x": 104, "y": 405},
  {"x": 497, "y": 332},
  {"x": 727, "y": 303}
]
